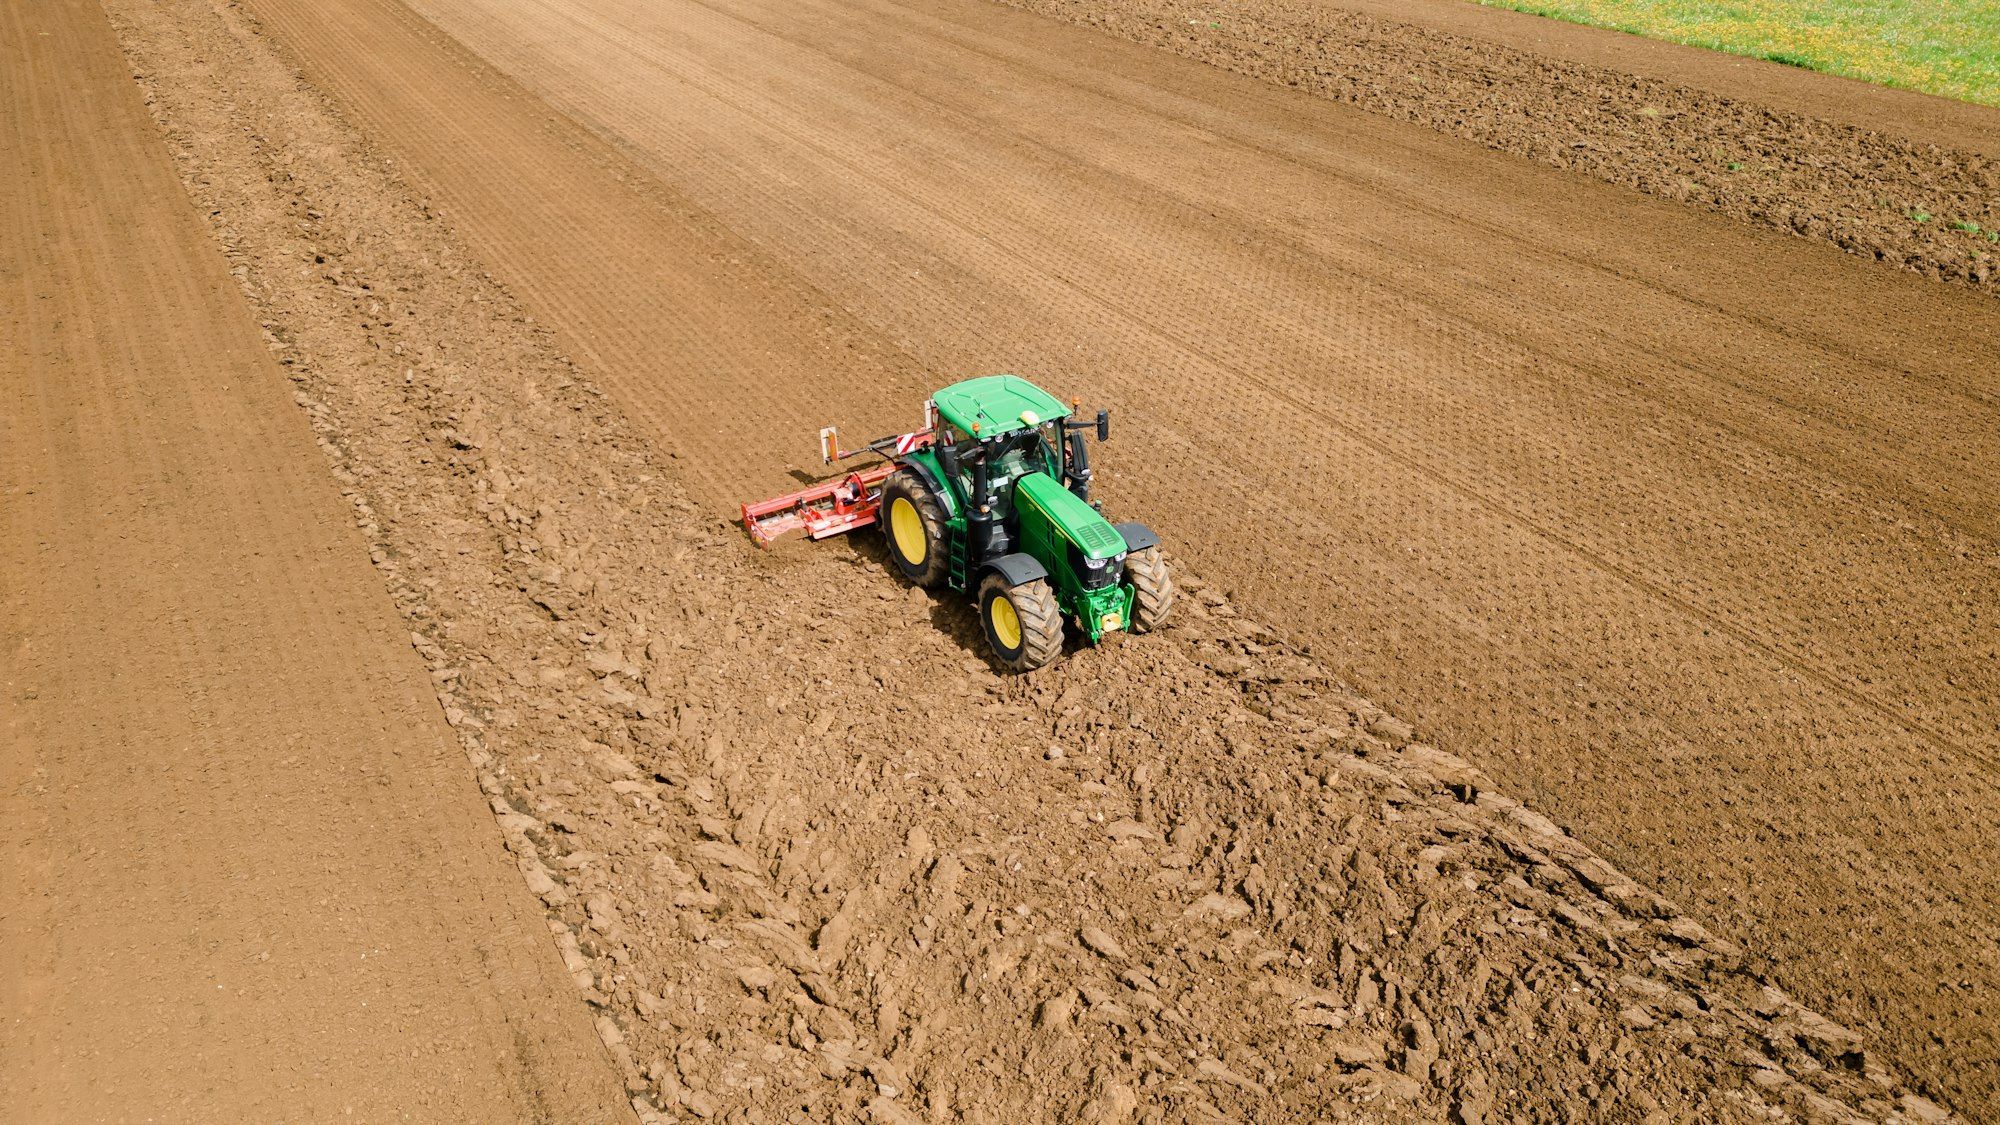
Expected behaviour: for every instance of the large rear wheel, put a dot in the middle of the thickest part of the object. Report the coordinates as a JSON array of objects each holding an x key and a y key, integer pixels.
[
  {"x": 913, "y": 523},
  {"x": 1023, "y": 623},
  {"x": 1152, "y": 588}
]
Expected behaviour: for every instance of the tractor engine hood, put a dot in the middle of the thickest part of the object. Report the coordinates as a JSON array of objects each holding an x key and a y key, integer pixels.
[{"x": 1077, "y": 521}]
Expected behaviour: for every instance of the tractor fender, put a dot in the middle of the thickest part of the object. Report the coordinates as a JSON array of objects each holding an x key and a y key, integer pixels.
[
  {"x": 930, "y": 478},
  {"x": 1014, "y": 569},
  {"x": 1137, "y": 536}
]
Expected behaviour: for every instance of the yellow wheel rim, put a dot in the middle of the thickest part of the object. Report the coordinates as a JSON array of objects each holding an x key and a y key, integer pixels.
[
  {"x": 908, "y": 529},
  {"x": 1006, "y": 623}
]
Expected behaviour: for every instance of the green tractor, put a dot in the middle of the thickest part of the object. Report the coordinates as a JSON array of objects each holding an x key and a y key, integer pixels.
[{"x": 992, "y": 498}]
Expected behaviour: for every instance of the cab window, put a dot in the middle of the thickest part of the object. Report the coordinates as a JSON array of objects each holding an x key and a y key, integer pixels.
[{"x": 1051, "y": 434}]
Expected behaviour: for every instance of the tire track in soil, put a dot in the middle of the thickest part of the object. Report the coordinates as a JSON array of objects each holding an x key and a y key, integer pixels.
[
  {"x": 246, "y": 875},
  {"x": 1799, "y": 551},
  {"x": 1951, "y": 451},
  {"x": 1832, "y": 575},
  {"x": 1951, "y": 448},
  {"x": 1296, "y": 140},
  {"x": 779, "y": 895}
]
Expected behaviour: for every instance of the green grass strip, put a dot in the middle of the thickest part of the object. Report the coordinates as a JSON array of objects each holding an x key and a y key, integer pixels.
[{"x": 1945, "y": 47}]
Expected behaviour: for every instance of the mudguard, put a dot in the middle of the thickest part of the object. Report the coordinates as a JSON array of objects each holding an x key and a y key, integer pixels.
[
  {"x": 1137, "y": 536},
  {"x": 1014, "y": 569},
  {"x": 928, "y": 473}
]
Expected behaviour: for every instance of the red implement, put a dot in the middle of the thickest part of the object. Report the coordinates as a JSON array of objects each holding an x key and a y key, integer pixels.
[
  {"x": 835, "y": 506},
  {"x": 822, "y": 510}
]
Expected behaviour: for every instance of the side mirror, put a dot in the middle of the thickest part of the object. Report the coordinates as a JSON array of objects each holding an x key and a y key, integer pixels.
[{"x": 1104, "y": 425}]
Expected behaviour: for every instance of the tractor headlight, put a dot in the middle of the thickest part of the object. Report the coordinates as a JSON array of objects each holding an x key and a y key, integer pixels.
[{"x": 1096, "y": 574}]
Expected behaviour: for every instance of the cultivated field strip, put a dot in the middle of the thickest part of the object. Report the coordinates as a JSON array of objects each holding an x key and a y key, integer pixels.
[
  {"x": 1624, "y": 500},
  {"x": 1920, "y": 118},
  {"x": 1396, "y": 170},
  {"x": 1825, "y": 159},
  {"x": 1378, "y": 397},
  {"x": 1182, "y": 877},
  {"x": 248, "y": 876},
  {"x": 1537, "y": 426},
  {"x": 592, "y": 244}
]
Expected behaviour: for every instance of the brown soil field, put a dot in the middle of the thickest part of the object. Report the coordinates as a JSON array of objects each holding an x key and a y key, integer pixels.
[
  {"x": 1682, "y": 527},
  {"x": 1884, "y": 174},
  {"x": 247, "y": 875},
  {"x": 1839, "y": 102},
  {"x": 1677, "y": 526}
]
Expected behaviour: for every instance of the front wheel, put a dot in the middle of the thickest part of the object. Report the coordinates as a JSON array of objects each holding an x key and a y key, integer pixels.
[
  {"x": 1152, "y": 589},
  {"x": 1023, "y": 623}
]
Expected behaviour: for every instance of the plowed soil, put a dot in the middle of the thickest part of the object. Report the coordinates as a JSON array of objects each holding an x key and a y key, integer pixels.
[
  {"x": 1893, "y": 176},
  {"x": 247, "y": 874},
  {"x": 1678, "y": 527},
  {"x": 1684, "y": 528}
]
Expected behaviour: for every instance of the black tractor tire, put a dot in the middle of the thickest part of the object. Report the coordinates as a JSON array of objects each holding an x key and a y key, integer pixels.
[
  {"x": 1023, "y": 623},
  {"x": 1152, "y": 588},
  {"x": 913, "y": 526}
]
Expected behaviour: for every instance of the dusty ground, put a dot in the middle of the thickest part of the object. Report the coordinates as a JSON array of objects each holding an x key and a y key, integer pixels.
[
  {"x": 804, "y": 852},
  {"x": 1882, "y": 174},
  {"x": 247, "y": 876},
  {"x": 1682, "y": 526},
  {"x": 557, "y": 283}
]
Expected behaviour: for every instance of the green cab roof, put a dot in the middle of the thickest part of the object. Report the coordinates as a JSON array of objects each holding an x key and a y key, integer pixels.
[
  {"x": 1079, "y": 522},
  {"x": 998, "y": 403}
]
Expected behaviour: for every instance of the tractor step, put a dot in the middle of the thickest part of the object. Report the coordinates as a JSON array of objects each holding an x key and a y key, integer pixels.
[{"x": 823, "y": 510}]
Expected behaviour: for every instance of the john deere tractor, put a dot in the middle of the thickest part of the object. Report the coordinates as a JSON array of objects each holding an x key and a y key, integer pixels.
[{"x": 992, "y": 498}]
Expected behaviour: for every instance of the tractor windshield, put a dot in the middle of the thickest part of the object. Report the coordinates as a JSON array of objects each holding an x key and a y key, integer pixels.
[
  {"x": 1023, "y": 451},
  {"x": 1052, "y": 448}
]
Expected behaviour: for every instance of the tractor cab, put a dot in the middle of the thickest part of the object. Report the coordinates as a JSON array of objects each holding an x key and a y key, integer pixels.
[
  {"x": 1013, "y": 424},
  {"x": 989, "y": 433},
  {"x": 992, "y": 497}
]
